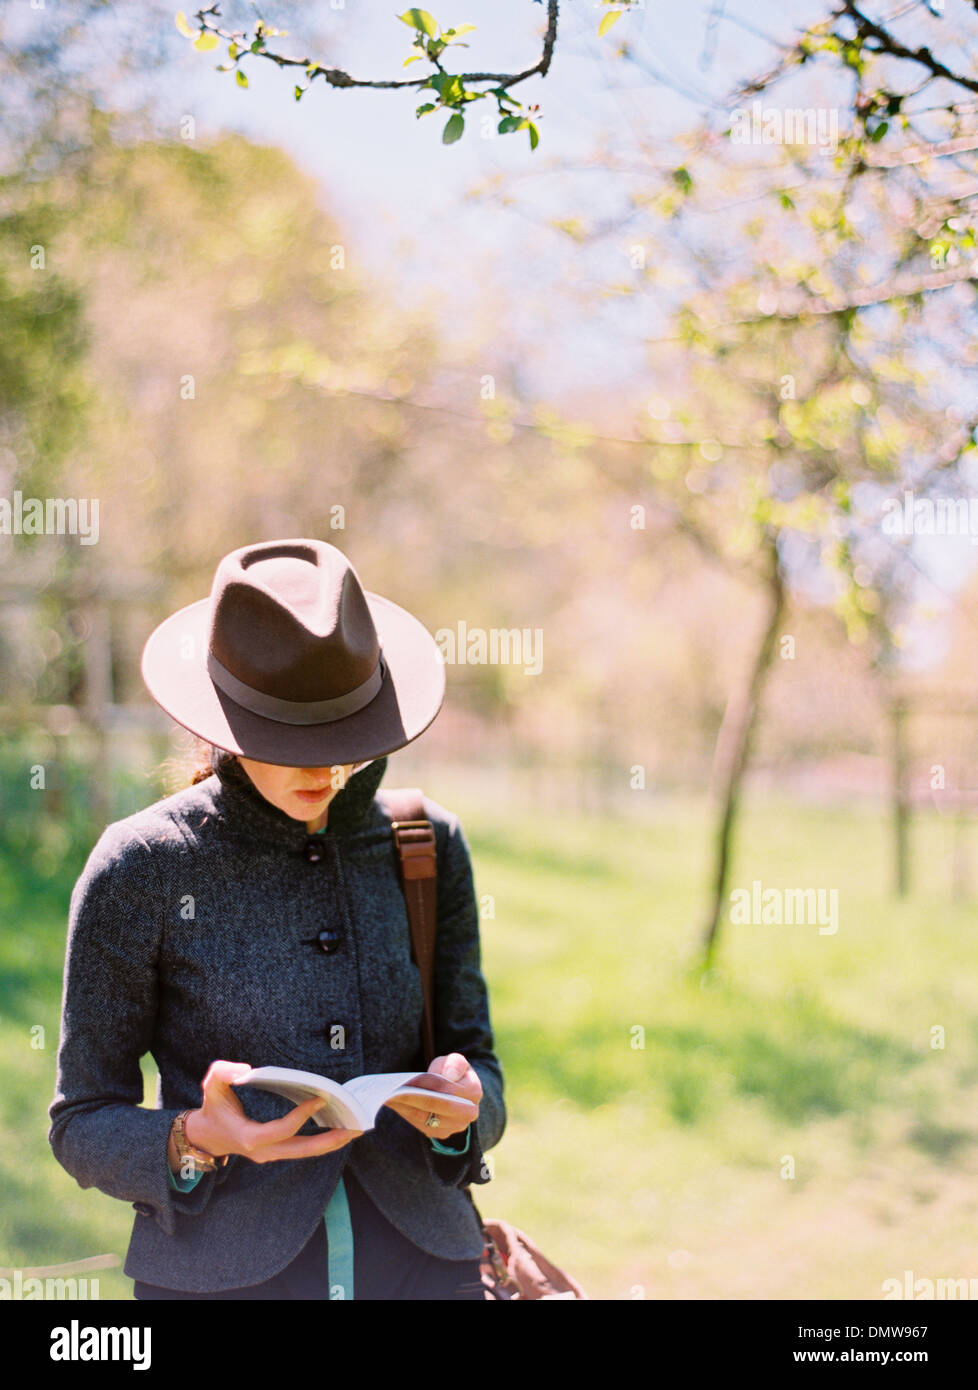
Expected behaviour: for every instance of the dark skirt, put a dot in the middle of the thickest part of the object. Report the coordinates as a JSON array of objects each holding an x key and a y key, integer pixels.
[{"x": 386, "y": 1265}]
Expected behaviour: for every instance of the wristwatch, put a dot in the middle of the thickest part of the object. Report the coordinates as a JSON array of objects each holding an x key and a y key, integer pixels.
[{"x": 205, "y": 1162}]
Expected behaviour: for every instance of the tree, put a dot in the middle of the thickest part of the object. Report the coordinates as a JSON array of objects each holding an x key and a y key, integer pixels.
[{"x": 810, "y": 294}]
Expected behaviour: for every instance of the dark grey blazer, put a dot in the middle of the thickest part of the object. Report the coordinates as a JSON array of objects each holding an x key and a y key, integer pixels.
[{"x": 193, "y": 936}]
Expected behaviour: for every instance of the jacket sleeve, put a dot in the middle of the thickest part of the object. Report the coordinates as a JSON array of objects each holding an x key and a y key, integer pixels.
[
  {"x": 99, "y": 1132},
  {"x": 461, "y": 1006}
]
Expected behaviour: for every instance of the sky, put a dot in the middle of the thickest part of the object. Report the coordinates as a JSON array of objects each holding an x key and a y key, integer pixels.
[{"x": 403, "y": 196}]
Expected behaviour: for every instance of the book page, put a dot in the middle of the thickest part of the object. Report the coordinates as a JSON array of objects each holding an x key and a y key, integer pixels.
[
  {"x": 354, "y": 1104},
  {"x": 370, "y": 1092},
  {"x": 297, "y": 1086}
]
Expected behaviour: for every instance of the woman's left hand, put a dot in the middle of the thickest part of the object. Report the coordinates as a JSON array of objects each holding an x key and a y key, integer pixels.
[{"x": 459, "y": 1079}]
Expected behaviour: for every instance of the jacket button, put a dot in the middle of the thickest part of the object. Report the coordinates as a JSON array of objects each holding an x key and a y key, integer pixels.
[
  {"x": 143, "y": 1208},
  {"x": 329, "y": 942},
  {"x": 314, "y": 851}
]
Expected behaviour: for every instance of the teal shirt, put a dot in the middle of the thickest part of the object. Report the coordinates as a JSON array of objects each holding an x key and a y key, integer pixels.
[{"x": 339, "y": 1230}]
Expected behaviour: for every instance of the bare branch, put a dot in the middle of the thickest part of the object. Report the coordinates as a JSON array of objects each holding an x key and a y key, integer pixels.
[
  {"x": 887, "y": 44},
  {"x": 884, "y": 44}
]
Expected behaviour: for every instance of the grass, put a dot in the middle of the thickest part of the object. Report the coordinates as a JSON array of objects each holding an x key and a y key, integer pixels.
[{"x": 784, "y": 1127}]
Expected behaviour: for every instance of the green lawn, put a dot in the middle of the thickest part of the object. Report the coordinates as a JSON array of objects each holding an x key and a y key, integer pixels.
[{"x": 651, "y": 1170}]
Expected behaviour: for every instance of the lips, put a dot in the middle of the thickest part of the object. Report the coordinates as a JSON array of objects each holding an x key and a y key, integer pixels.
[{"x": 314, "y": 795}]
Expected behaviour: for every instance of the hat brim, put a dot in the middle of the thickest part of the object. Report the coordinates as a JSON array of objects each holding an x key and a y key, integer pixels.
[{"x": 412, "y": 692}]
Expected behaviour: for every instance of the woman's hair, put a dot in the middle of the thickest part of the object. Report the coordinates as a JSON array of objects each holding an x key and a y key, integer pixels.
[
  {"x": 201, "y": 761},
  {"x": 208, "y": 759}
]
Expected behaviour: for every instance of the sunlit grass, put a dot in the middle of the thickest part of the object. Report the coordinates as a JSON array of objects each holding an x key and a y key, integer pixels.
[{"x": 655, "y": 1116}]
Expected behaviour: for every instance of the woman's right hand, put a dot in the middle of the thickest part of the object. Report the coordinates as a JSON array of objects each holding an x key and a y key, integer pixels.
[{"x": 221, "y": 1126}]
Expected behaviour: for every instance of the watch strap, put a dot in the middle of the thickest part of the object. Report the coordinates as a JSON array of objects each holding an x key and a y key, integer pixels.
[{"x": 202, "y": 1160}]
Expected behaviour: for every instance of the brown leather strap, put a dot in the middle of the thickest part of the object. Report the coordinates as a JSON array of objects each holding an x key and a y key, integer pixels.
[{"x": 414, "y": 840}]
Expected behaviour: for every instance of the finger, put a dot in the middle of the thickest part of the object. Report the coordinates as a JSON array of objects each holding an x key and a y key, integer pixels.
[
  {"x": 428, "y": 1105},
  {"x": 273, "y": 1131},
  {"x": 433, "y": 1081},
  {"x": 457, "y": 1070},
  {"x": 453, "y": 1066},
  {"x": 220, "y": 1075},
  {"x": 446, "y": 1101},
  {"x": 445, "y": 1129},
  {"x": 306, "y": 1146},
  {"x": 438, "y": 1081},
  {"x": 453, "y": 1115},
  {"x": 467, "y": 1089}
]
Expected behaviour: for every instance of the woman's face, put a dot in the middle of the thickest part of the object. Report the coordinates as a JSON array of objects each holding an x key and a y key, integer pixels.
[{"x": 301, "y": 792}]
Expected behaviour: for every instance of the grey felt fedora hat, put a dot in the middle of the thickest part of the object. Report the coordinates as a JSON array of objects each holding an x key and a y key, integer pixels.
[{"x": 291, "y": 661}]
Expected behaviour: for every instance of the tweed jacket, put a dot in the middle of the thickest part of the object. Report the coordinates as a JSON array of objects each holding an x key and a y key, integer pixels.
[{"x": 194, "y": 936}]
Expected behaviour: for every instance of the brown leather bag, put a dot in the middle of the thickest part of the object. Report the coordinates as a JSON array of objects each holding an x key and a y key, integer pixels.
[{"x": 512, "y": 1266}]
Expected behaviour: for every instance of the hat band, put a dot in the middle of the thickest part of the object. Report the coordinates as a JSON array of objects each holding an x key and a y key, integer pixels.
[{"x": 296, "y": 711}]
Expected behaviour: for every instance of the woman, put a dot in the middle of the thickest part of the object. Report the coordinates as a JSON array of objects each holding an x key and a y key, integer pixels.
[{"x": 256, "y": 918}]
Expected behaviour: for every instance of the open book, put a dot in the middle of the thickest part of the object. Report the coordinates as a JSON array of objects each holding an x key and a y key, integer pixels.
[{"x": 354, "y": 1104}]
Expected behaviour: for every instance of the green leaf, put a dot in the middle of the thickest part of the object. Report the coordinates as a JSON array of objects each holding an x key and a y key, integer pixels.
[
  {"x": 420, "y": 19},
  {"x": 786, "y": 201},
  {"x": 424, "y": 109},
  {"x": 683, "y": 178},
  {"x": 298, "y": 92},
  {"x": 448, "y": 87},
  {"x": 453, "y": 131},
  {"x": 461, "y": 29},
  {"x": 852, "y": 55},
  {"x": 414, "y": 58},
  {"x": 880, "y": 131},
  {"x": 534, "y": 135},
  {"x": 205, "y": 43},
  {"x": 612, "y": 17},
  {"x": 507, "y": 124},
  {"x": 241, "y": 79},
  {"x": 180, "y": 20},
  {"x": 233, "y": 50}
]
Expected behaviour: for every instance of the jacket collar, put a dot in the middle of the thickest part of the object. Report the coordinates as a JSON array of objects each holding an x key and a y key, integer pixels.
[{"x": 238, "y": 800}]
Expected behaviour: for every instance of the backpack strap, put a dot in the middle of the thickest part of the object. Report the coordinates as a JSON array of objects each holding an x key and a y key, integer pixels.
[{"x": 414, "y": 840}]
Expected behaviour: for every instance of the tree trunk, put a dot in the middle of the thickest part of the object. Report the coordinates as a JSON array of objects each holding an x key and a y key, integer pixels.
[{"x": 733, "y": 750}]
